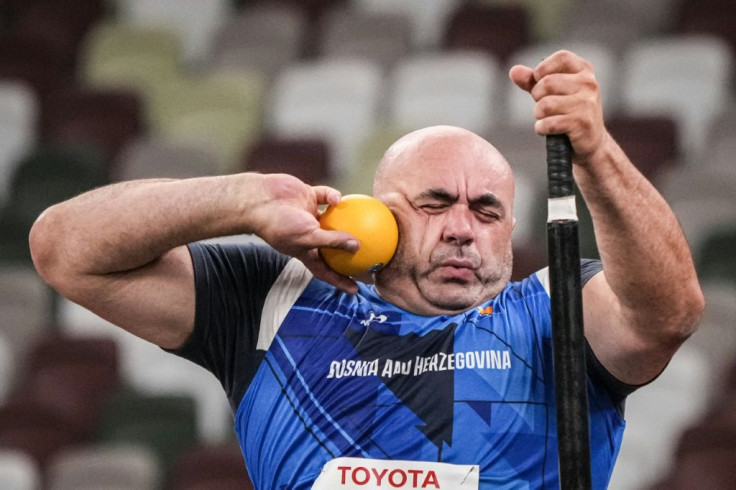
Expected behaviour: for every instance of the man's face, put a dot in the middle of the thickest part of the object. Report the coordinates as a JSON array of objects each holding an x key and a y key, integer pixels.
[{"x": 452, "y": 196}]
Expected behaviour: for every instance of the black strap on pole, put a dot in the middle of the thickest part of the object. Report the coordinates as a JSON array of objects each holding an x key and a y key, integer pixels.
[{"x": 573, "y": 426}]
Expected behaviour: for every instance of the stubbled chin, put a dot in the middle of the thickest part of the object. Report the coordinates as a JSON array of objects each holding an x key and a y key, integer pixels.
[{"x": 452, "y": 296}]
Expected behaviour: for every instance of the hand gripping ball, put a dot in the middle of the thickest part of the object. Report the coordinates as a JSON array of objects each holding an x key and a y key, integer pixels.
[{"x": 372, "y": 223}]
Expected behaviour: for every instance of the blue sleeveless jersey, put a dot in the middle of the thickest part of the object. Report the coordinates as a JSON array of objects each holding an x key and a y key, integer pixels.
[{"x": 314, "y": 374}]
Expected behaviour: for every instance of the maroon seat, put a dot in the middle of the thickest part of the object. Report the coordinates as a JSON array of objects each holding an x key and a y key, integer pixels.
[
  {"x": 305, "y": 158},
  {"x": 106, "y": 119},
  {"x": 72, "y": 376},
  {"x": 499, "y": 30},
  {"x": 53, "y": 21},
  {"x": 651, "y": 142},
  {"x": 210, "y": 467},
  {"x": 38, "y": 430},
  {"x": 705, "y": 459}
]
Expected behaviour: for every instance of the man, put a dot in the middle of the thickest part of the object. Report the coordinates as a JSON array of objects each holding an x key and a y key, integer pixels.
[{"x": 437, "y": 376}]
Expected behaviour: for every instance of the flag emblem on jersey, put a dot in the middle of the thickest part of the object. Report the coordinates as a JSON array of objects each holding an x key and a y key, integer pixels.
[{"x": 488, "y": 310}]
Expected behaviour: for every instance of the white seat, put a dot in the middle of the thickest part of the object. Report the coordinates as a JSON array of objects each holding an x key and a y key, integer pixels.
[
  {"x": 700, "y": 215},
  {"x": 18, "y": 119},
  {"x": 607, "y": 22},
  {"x": 7, "y": 369},
  {"x": 112, "y": 467},
  {"x": 519, "y": 103},
  {"x": 380, "y": 37},
  {"x": 337, "y": 100},
  {"x": 716, "y": 334},
  {"x": 26, "y": 306},
  {"x": 196, "y": 21},
  {"x": 685, "y": 77},
  {"x": 18, "y": 471},
  {"x": 455, "y": 88},
  {"x": 148, "y": 157},
  {"x": 658, "y": 413},
  {"x": 429, "y": 17},
  {"x": 150, "y": 369},
  {"x": 265, "y": 37}
]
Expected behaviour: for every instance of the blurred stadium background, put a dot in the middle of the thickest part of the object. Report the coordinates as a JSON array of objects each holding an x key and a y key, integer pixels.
[{"x": 98, "y": 91}]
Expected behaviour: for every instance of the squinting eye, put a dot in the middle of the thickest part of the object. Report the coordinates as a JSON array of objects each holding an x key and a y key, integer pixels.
[
  {"x": 488, "y": 216},
  {"x": 433, "y": 207}
]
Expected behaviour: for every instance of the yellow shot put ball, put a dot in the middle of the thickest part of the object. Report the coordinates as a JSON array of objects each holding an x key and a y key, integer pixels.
[{"x": 372, "y": 223}]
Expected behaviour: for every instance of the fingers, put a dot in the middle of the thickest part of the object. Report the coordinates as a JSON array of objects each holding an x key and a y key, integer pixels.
[
  {"x": 563, "y": 84},
  {"x": 327, "y": 195},
  {"x": 321, "y": 238},
  {"x": 561, "y": 62},
  {"x": 319, "y": 268},
  {"x": 523, "y": 77},
  {"x": 567, "y": 98}
]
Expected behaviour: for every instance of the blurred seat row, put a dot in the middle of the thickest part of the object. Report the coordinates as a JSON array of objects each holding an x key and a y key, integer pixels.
[
  {"x": 340, "y": 114},
  {"x": 73, "y": 420}
]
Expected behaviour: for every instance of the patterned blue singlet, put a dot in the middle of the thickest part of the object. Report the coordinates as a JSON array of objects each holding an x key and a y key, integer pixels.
[{"x": 314, "y": 374}]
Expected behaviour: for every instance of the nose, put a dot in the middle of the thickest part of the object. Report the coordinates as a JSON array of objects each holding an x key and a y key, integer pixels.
[{"x": 459, "y": 225}]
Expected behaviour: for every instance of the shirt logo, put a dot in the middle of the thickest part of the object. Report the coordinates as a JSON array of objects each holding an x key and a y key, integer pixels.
[
  {"x": 488, "y": 310},
  {"x": 374, "y": 318},
  {"x": 373, "y": 474}
]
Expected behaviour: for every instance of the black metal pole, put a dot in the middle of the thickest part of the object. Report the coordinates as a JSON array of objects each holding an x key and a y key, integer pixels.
[{"x": 571, "y": 396}]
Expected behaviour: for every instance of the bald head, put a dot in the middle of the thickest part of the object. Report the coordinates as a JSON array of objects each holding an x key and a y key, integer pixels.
[{"x": 437, "y": 147}]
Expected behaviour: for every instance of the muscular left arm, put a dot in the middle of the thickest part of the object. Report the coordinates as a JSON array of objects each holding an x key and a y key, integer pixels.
[{"x": 647, "y": 300}]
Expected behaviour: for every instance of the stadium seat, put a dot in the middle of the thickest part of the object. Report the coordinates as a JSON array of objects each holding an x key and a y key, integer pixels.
[
  {"x": 150, "y": 157},
  {"x": 164, "y": 423},
  {"x": 18, "y": 471},
  {"x": 26, "y": 306},
  {"x": 305, "y": 158},
  {"x": 651, "y": 142},
  {"x": 609, "y": 23},
  {"x": 52, "y": 173},
  {"x": 38, "y": 430},
  {"x": 150, "y": 370},
  {"x": 658, "y": 413},
  {"x": 701, "y": 215},
  {"x": 212, "y": 467},
  {"x": 380, "y": 37},
  {"x": 359, "y": 178},
  {"x": 455, "y": 88},
  {"x": 102, "y": 119},
  {"x": 194, "y": 21},
  {"x": 64, "y": 28},
  {"x": 498, "y": 30},
  {"x": 684, "y": 77},
  {"x": 19, "y": 112},
  {"x": 263, "y": 37},
  {"x": 709, "y": 17},
  {"x": 337, "y": 100},
  {"x": 223, "y": 111},
  {"x": 523, "y": 149},
  {"x": 105, "y": 466},
  {"x": 75, "y": 376},
  {"x": 429, "y": 18},
  {"x": 121, "y": 56},
  {"x": 715, "y": 334},
  {"x": 704, "y": 459},
  {"x": 545, "y": 18},
  {"x": 7, "y": 368},
  {"x": 716, "y": 257},
  {"x": 23, "y": 49}
]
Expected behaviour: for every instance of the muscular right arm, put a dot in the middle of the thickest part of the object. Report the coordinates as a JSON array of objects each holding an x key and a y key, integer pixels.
[{"x": 120, "y": 250}]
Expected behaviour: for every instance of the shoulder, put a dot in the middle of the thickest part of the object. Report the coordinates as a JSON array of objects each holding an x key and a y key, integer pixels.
[{"x": 588, "y": 269}]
